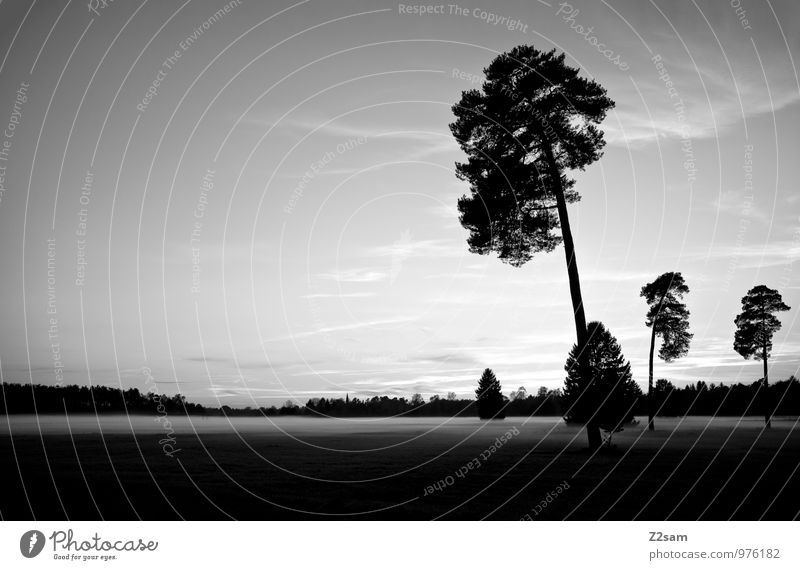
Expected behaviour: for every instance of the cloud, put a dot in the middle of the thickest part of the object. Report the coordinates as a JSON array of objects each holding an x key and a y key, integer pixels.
[
  {"x": 711, "y": 87},
  {"x": 453, "y": 357},
  {"x": 347, "y": 327},
  {"x": 738, "y": 203},
  {"x": 404, "y": 143},
  {"x": 438, "y": 140},
  {"x": 338, "y": 295},
  {"x": 755, "y": 256},
  {"x": 405, "y": 246},
  {"x": 361, "y": 275},
  {"x": 206, "y": 359},
  {"x": 271, "y": 393},
  {"x": 426, "y": 144}
]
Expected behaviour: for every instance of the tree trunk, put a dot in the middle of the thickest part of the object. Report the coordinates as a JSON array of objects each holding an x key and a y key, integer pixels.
[
  {"x": 592, "y": 429},
  {"x": 766, "y": 399},
  {"x": 650, "y": 423}
]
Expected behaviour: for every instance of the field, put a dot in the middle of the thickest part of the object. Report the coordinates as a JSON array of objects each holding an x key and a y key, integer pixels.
[{"x": 415, "y": 468}]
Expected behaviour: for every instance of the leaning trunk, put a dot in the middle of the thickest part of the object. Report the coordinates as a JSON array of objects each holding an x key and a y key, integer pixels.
[
  {"x": 766, "y": 399},
  {"x": 650, "y": 423},
  {"x": 592, "y": 428}
]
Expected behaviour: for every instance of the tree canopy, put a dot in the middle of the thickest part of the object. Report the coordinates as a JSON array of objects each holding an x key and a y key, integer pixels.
[
  {"x": 668, "y": 318},
  {"x": 668, "y": 315},
  {"x": 533, "y": 120},
  {"x": 757, "y": 323}
]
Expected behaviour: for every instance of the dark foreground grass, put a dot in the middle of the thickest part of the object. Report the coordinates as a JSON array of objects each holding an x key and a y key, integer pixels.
[{"x": 697, "y": 468}]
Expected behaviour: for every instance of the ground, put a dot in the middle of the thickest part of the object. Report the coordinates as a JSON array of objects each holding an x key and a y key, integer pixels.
[{"x": 404, "y": 468}]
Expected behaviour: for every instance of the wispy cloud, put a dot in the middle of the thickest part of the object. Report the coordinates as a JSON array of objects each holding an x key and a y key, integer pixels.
[
  {"x": 386, "y": 130},
  {"x": 360, "y": 275},
  {"x": 338, "y": 295},
  {"x": 378, "y": 323},
  {"x": 737, "y": 203},
  {"x": 761, "y": 255},
  {"x": 407, "y": 246},
  {"x": 707, "y": 94}
]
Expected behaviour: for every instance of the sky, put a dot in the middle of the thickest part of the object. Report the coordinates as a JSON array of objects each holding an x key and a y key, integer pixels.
[{"x": 252, "y": 202}]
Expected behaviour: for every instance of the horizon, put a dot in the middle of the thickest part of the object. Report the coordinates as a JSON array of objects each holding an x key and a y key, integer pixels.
[
  {"x": 276, "y": 218},
  {"x": 741, "y": 405},
  {"x": 277, "y": 401}
]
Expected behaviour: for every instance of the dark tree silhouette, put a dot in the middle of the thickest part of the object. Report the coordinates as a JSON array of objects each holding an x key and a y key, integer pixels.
[
  {"x": 755, "y": 326},
  {"x": 519, "y": 394},
  {"x": 610, "y": 396},
  {"x": 489, "y": 395},
  {"x": 668, "y": 318},
  {"x": 663, "y": 401},
  {"x": 533, "y": 121},
  {"x": 698, "y": 399}
]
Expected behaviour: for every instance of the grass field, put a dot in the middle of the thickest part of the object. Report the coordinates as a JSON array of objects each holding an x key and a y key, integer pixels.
[{"x": 416, "y": 468}]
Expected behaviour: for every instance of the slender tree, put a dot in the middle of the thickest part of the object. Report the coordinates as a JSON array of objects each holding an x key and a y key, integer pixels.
[
  {"x": 533, "y": 121},
  {"x": 609, "y": 399},
  {"x": 490, "y": 397},
  {"x": 755, "y": 326},
  {"x": 668, "y": 318}
]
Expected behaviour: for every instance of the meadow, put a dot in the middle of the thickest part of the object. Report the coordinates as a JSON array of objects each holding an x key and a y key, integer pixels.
[{"x": 129, "y": 467}]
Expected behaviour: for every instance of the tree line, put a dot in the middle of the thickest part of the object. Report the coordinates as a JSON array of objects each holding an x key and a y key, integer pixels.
[{"x": 698, "y": 399}]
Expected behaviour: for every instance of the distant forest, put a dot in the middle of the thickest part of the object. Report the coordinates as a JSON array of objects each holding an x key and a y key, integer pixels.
[{"x": 693, "y": 399}]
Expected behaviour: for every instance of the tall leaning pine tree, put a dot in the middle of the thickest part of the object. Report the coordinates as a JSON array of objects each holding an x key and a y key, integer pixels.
[
  {"x": 531, "y": 124},
  {"x": 755, "y": 326},
  {"x": 668, "y": 319}
]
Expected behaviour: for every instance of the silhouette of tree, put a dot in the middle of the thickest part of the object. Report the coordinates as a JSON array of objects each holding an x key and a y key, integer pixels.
[
  {"x": 755, "y": 326},
  {"x": 417, "y": 400},
  {"x": 489, "y": 396},
  {"x": 668, "y": 318},
  {"x": 519, "y": 394},
  {"x": 533, "y": 121},
  {"x": 697, "y": 399},
  {"x": 662, "y": 401},
  {"x": 290, "y": 408},
  {"x": 610, "y": 395},
  {"x": 451, "y": 396}
]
